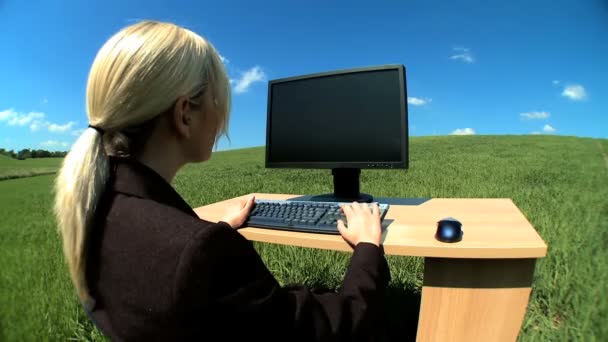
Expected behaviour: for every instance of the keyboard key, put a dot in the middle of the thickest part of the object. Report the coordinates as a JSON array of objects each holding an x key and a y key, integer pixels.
[{"x": 319, "y": 217}]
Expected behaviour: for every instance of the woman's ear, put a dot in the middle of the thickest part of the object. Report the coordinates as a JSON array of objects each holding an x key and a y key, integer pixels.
[{"x": 181, "y": 117}]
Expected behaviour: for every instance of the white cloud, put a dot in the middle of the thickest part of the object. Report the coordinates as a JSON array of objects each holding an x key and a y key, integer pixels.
[
  {"x": 534, "y": 115},
  {"x": 14, "y": 118},
  {"x": 7, "y": 114},
  {"x": 55, "y": 128},
  {"x": 417, "y": 101},
  {"x": 55, "y": 144},
  {"x": 575, "y": 92},
  {"x": 38, "y": 124},
  {"x": 462, "y": 54},
  {"x": 548, "y": 129},
  {"x": 35, "y": 120},
  {"x": 463, "y": 131},
  {"x": 24, "y": 119},
  {"x": 50, "y": 143},
  {"x": 535, "y": 132},
  {"x": 255, "y": 74},
  {"x": 555, "y": 82}
]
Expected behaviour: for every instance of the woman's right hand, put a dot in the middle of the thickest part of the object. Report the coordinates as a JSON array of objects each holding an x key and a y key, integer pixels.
[{"x": 363, "y": 225}]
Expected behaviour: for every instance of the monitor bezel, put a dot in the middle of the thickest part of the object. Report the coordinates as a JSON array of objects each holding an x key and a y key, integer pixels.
[{"x": 401, "y": 164}]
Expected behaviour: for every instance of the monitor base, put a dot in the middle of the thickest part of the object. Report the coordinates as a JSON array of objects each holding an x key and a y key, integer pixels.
[
  {"x": 346, "y": 187},
  {"x": 363, "y": 198}
]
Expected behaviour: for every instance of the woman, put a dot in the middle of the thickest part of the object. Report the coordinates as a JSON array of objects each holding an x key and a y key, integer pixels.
[{"x": 143, "y": 264}]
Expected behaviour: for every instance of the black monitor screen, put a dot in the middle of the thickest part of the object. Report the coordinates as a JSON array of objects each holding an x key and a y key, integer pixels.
[{"x": 356, "y": 117}]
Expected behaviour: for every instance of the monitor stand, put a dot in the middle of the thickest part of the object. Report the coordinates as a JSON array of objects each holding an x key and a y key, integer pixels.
[{"x": 346, "y": 188}]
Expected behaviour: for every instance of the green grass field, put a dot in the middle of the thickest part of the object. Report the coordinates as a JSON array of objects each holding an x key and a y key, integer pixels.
[
  {"x": 559, "y": 183},
  {"x": 12, "y": 168}
]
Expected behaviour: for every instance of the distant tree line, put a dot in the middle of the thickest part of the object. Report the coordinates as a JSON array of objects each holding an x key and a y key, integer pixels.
[{"x": 27, "y": 153}]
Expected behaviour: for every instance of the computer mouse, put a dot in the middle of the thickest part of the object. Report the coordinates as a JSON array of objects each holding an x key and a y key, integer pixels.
[{"x": 449, "y": 230}]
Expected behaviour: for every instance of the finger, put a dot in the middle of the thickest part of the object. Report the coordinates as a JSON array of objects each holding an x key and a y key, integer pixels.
[
  {"x": 342, "y": 228},
  {"x": 346, "y": 234},
  {"x": 375, "y": 210},
  {"x": 348, "y": 211},
  {"x": 247, "y": 207},
  {"x": 246, "y": 203},
  {"x": 356, "y": 207}
]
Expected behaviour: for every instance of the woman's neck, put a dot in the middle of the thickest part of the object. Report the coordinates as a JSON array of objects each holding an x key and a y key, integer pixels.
[{"x": 163, "y": 159}]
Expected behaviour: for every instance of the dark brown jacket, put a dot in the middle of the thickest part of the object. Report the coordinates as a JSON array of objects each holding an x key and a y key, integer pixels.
[{"x": 158, "y": 272}]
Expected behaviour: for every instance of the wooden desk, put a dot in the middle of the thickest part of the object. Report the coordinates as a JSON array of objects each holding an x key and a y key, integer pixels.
[{"x": 473, "y": 290}]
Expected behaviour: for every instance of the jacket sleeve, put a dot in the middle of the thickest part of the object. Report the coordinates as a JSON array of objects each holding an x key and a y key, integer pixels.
[{"x": 222, "y": 272}]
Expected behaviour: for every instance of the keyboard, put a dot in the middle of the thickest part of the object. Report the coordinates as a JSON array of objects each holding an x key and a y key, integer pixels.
[{"x": 303, "y": 216}]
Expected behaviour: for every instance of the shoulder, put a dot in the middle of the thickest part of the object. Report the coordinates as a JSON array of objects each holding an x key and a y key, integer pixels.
[
  {"x": 139, "y": 231},
  {"x": 213, "y": 259},
  {"x": 148, "y": 218},
  {"x": 172, "y": 240},
  {"x": 148, "y": 211},
  {"x": 213, "y": 246},
  {"x": 213, "y": 239}
]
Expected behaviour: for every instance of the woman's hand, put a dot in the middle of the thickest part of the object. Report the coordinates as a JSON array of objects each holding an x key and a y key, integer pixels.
[
  {"x": 236, "y": 214},
  {"x": 363, "y": 224}
]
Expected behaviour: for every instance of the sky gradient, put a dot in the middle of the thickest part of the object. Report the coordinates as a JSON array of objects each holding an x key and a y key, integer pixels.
[{"x": 511, "y": 67}]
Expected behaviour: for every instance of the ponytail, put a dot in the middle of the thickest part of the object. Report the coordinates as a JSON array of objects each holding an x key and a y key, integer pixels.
[
  {"x": 139, "y": 72},
  {"x": 78, "y": 186}
]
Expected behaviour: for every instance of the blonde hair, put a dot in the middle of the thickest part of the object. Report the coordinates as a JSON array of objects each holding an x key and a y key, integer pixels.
[{"x": 138, "y": 73}]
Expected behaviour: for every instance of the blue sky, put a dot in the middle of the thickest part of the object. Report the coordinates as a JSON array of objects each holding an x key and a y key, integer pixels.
[{"x": 509, "y": 67}]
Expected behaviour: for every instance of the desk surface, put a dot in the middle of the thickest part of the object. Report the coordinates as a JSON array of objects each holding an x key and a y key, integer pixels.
[{"x": 493, "y": 228}]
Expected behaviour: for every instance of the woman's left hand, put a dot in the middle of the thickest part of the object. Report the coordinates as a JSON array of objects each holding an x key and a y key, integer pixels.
[{"x": 236, "y": 214}]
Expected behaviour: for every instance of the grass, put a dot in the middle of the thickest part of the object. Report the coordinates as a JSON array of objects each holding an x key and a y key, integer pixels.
[
  {"x": 12, "y": 168},
  {"x": 559, "y": 183}
]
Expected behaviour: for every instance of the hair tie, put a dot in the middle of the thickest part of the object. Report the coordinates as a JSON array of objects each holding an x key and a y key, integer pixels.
[{"x": 101, "y": 131}]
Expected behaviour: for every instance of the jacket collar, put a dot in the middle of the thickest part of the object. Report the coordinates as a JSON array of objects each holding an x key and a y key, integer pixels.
[{"x": 136, "y": 179}]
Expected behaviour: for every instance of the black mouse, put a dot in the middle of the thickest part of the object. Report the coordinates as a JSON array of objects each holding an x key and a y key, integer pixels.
[{"x": 449, "y": 230}]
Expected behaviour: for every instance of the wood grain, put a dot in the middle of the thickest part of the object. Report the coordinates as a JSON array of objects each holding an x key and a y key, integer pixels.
[
  {"x": 474, "y": 290},
  {"x": 493, "y": 228},
  {"x": 474, "y": 300}
]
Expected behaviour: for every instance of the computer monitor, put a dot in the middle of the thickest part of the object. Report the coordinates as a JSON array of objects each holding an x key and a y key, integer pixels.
[{"x": 344, "y": 120}]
